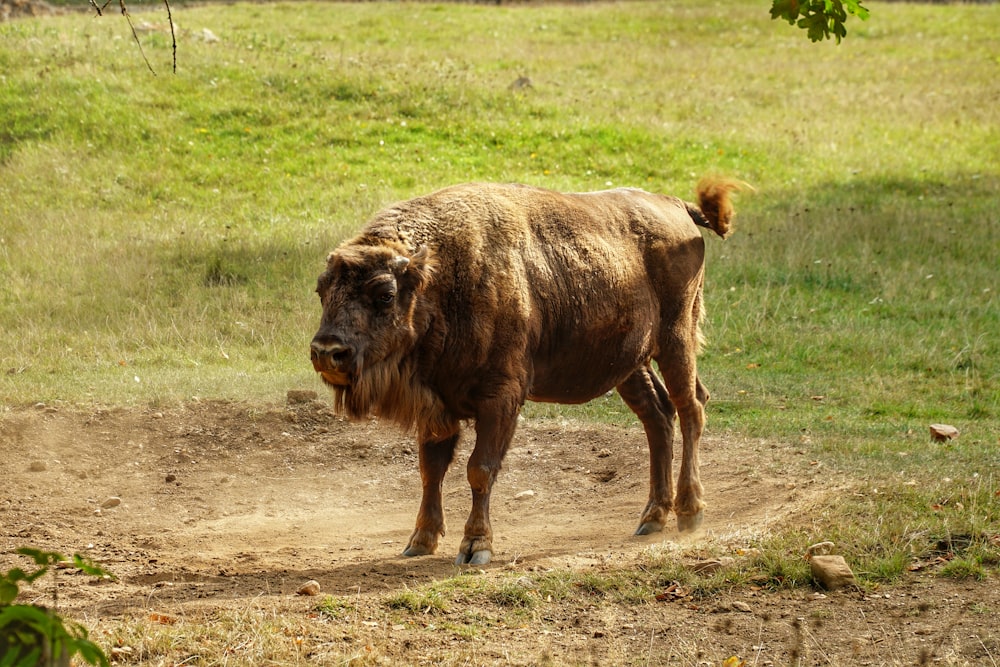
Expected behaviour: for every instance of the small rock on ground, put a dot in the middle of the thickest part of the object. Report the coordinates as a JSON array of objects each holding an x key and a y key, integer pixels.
[
  {"x": 311, "y": 587},
  {"x": 832, "y": 572}
]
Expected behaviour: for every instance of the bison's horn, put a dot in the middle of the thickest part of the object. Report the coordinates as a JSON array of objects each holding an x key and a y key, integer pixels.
[{"x": 399, "y": 263}]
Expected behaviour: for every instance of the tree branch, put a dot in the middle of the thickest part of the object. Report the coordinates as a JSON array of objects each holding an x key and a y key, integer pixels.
[{"x": 135, "y": 36}]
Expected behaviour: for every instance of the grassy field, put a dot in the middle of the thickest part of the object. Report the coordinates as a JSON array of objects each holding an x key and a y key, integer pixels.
[
  {"x": 170, "y": 227},
  {"x": 160, "y": 235}
]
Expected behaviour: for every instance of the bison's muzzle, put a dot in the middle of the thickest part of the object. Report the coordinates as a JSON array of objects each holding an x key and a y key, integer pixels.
[{"x": 334, "y": 361}]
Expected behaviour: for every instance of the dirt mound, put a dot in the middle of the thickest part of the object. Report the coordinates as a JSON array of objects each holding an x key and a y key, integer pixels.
[{"x": 211, "y": 485}]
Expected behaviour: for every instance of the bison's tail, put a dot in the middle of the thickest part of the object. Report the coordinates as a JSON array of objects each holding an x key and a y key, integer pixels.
[{"x": 715, "y": 209}]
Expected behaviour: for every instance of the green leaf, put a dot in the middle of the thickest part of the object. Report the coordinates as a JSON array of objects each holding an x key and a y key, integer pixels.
[
  {"x": 91, "y": 653},
  {"x": 855, "y": 7},
  {"x": 43, "y": 558},
  {"x": 8, "y": 591},
  {"x": 785, "y": 9},
  {"x": 19, "y": 659},
  {"x": 89, "y": 567},
  {"x": 26, "y": 616},
  {"x": 15, "y": 574}
]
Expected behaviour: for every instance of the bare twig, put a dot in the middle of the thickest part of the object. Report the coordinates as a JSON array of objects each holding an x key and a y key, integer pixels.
[
  {"x": 988, "y": 654},
  {"x": 99, "y": 10},
  {"x": 760, "y": 642},
  {"x": 128, "y": 17},
  {"x": 121, "y": 3},
  {"x": 173, "y": 36}
]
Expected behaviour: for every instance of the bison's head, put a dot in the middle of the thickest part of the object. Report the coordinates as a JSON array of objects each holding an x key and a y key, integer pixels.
[{"x": 369, "y": 295}]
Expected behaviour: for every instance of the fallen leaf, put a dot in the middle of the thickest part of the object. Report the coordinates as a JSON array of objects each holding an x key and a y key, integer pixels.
[
  {"x": 673, "y": 592},
  {"x": 162, "y": 619}
]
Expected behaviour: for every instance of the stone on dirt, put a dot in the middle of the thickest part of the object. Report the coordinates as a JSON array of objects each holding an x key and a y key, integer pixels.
[
  {"x": 710, "y": 566},
  {"x": 311, "y": 587},
  {"x": 524, "y": 495},
  {"x": 38, "y": 466},
  {"x": 943, "y": 432},
  {"x": 113, "y": 501},
  {"x": 832, "y": 572}
]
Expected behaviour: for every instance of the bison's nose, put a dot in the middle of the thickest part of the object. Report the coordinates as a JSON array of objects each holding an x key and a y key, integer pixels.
[{"x": 330, "y": 355}]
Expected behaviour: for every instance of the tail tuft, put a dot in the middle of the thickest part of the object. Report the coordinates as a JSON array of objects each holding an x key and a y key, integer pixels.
[{"x": 715, "y": 209}]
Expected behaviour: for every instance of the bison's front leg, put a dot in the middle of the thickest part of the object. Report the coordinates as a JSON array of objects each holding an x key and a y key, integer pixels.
[
  {"x": 435, "y": 457},
  {"x": 494, "y": 430}
]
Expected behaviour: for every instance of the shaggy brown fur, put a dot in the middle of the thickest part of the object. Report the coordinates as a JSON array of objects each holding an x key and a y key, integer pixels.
[{"x": 462, "y": 304}]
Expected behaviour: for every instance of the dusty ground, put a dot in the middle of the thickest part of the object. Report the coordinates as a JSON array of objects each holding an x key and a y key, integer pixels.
[{"x": 228, "y": 506}]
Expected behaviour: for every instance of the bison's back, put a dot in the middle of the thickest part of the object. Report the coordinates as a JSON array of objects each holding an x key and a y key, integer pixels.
[{"x": 493, "y": 223}]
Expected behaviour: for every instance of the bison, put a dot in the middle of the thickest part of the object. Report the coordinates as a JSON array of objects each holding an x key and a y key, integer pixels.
[{"x": 462, "y": 304}]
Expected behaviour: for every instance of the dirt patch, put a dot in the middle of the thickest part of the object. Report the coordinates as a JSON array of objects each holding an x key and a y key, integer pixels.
[{"x": 225, "y": 505}]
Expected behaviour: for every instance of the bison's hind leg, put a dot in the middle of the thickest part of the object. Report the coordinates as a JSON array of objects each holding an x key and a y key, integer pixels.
[
  {"x": 644, "y": 393},
  {"x": 688, "y": 396},
  {"x": 436, "y": 455}
]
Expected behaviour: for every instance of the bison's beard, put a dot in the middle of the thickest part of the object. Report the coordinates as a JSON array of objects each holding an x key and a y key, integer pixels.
[{"x": 390, "y": 389}]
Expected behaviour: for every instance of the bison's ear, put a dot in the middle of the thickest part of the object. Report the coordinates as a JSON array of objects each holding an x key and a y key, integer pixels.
[{"x": 415, "y": 270}]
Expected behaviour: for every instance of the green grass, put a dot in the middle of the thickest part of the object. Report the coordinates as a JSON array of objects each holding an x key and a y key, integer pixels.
[
  {"x": 161, "y": 234},
  {"x": 169, "y": 228}
]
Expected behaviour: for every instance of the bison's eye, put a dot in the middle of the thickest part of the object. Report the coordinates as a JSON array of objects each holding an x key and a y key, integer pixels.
[{"x": 383, "y": 294}]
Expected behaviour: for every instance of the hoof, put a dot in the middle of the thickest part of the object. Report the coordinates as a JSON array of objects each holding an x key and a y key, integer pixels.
[
  {"x": 423, "y": 542},
  {"x": 649, "y": 527},
  {"x": 688, "y": 523},
  {"x": 412, "y": 551},
  {"x": 478, "y": 558}
]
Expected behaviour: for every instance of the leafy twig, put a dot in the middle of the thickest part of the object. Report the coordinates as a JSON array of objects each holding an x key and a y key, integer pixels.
[
  {"x": 28, "y": 633},
  {"x": 819, "y": 18}
]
